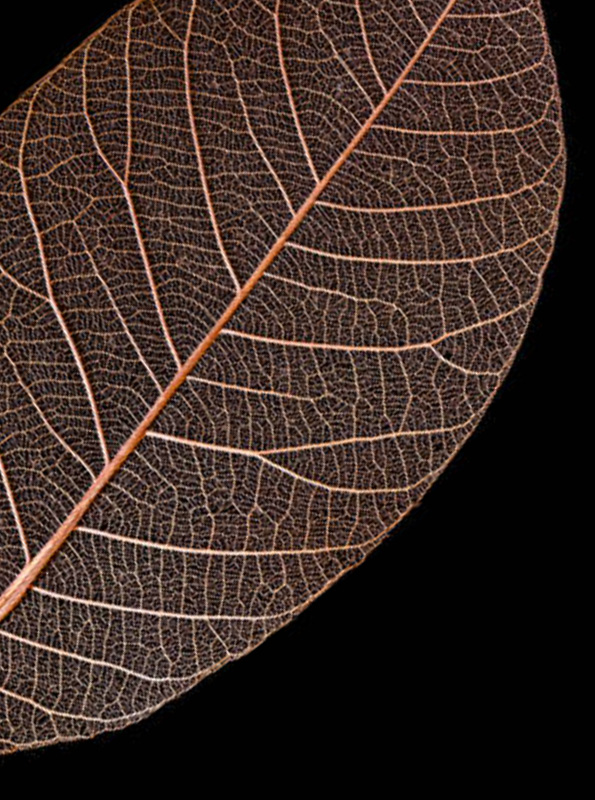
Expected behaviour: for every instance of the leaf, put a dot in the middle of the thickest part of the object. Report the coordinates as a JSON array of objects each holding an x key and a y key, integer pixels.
[{"x": 264, "y": 265}]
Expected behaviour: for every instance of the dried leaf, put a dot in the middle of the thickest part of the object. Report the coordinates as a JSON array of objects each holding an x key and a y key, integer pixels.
[{"x": 264, "y": 265}]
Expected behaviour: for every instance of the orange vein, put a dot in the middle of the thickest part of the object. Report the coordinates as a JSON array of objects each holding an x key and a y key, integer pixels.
[{"x": 21, "y": 584}]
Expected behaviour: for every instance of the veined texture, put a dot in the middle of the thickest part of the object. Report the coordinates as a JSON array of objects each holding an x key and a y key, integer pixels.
[{"x": 263, "y": 265}]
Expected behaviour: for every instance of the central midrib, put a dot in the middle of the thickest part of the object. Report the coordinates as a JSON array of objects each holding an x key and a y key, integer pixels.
[{"x": 25, "y": 579}]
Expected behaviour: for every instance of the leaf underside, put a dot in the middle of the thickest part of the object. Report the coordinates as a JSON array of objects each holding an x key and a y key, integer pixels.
[{"x": 323, "y": 225}]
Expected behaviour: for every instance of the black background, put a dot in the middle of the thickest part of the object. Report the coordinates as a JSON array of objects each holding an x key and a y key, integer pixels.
[{"x": 454, "y": 642}]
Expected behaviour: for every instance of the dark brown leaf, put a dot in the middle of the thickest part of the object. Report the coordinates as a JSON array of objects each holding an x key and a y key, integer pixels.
[{"x": 264, "y": 265}]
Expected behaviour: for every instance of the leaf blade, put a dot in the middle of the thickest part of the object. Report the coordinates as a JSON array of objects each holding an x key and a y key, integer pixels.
[{"x": 245, "y": 332}]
